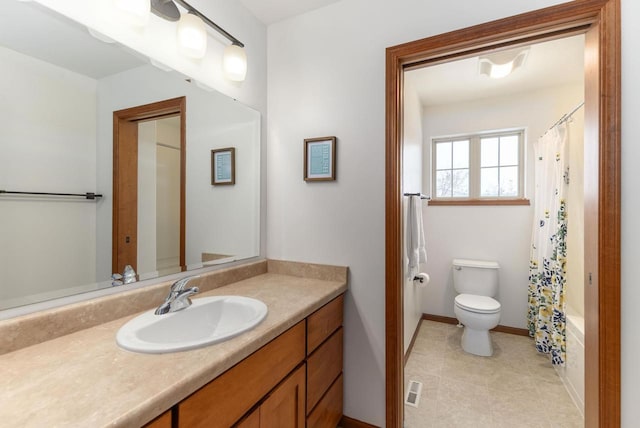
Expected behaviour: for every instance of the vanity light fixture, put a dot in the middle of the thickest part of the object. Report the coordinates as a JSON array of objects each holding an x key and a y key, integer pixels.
[
  {"x": 192, "y": 36},
  {"x": 500, "y": 64},
  {"x": 234, "y": 61}
]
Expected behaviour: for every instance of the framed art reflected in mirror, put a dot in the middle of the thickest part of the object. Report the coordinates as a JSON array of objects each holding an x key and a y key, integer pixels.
[{"x": 223, "y": 166}]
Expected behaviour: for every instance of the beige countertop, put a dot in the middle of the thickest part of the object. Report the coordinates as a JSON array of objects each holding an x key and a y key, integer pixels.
[{"x": 84, "y": 379}]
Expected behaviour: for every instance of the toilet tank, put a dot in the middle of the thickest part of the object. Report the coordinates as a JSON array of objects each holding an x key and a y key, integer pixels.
[{"x": 478, "y": 277}]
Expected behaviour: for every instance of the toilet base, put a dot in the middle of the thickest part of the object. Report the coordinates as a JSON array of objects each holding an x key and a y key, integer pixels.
[{"x": 477, "y": 342}]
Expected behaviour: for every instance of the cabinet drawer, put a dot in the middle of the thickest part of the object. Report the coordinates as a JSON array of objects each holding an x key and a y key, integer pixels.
[
  {"x": 223, "y": 401},
  {"x": 329, "y": 410},
  {"x": 323, "y": 367},
  {"x": 323, "y": 322}
]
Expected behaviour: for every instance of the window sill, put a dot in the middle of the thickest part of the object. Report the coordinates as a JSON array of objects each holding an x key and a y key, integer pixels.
[{"x": 476, "y": 202}]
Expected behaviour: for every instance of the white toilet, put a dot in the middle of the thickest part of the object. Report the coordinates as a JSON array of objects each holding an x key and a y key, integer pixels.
[{"x": 475, "y": 307}]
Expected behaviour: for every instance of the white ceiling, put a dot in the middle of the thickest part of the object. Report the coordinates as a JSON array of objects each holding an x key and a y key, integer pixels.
[
  {"x": 38, "y": 32},
  {"x": 270, "y": 11},
  {"x": 548, "y": 64}
]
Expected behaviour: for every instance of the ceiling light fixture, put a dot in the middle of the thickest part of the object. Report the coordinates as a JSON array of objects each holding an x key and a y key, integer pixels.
[
  {"x": 500, "y": 64},
  {"x": 234, "y": 60}
]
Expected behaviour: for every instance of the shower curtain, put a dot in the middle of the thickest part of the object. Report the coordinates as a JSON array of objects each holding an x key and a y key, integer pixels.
[{"x": 547, "y": 265}]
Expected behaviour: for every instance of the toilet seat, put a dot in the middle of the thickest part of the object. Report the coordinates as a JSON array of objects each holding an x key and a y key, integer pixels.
[{"x": 477, "y": 304}]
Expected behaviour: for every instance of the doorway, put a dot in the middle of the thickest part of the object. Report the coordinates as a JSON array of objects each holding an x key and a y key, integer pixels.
[
  {"x": 130, "y": 126},
  {"x": 599, "y": 21},
  {"x": 469, "y": 142}
]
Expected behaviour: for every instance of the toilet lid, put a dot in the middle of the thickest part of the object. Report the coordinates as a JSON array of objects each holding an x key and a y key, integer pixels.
[{"x": 479, "y": 304}]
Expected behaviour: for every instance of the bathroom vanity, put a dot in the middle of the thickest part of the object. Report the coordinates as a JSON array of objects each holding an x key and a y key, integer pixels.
[
  {"x": 293, "y": 381},
  {"x": 287, "y": 371}
]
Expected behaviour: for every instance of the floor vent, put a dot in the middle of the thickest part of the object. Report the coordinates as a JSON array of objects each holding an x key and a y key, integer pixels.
[{"x": 413, "y": 393}]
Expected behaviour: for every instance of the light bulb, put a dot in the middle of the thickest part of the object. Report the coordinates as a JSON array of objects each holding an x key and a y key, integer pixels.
[
  {"x": 498, "y": 71},
  {"x": 192, "y": 36},
  {"x": 234, "y": 63},
  {"x": 136, "y": 12}
]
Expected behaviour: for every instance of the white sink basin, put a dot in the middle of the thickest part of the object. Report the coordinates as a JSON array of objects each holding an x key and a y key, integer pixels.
[{"x": 208, "y": 320}]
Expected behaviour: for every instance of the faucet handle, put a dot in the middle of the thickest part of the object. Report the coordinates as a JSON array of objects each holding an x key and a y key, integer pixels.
[
  {"x": 182, "y": 300},
  {"x": 179, "y": 285}
]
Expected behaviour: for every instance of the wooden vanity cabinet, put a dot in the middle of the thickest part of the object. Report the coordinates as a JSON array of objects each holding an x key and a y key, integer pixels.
[
  {"x": 324, "y": 365},
  {"x": 227, "y": 398},
  {"x": 162, "y": 421},
  {"x": 294, "y": 381},
  {"x": 283, "y": 407}
]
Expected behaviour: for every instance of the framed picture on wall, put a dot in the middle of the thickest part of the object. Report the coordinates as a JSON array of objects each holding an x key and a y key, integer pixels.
[
  {"x": 223, "y": 166},
  {"x": 320, "y": 159}
]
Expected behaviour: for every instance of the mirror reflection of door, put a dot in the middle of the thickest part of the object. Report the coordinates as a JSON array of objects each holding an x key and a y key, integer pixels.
[{"x": 148, "y": 205}]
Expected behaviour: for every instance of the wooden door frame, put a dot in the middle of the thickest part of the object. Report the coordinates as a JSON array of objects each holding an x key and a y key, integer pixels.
[
  {"x": 124, "y": 118},
  {"x": 600, "y": 19}
]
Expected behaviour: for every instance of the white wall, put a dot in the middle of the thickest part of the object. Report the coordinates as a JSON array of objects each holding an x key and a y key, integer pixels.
[
  {"x": 497, "y": 233},
  {"x": 630, "y": 209},
  {"x": 411, "y": 183},
  {"x": 168, "y": 194},
  {"x": 218, "y": 219},
  {"x": 326, "y": 76},
  {"x": 55, "y": 235},
  {"x": 146, "y": 237}
]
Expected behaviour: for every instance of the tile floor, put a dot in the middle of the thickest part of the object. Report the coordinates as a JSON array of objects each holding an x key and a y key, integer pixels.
[{"x": 516, "y": 387}]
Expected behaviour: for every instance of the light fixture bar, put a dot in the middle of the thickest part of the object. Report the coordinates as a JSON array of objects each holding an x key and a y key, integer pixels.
[{"x": 210, "y": 23}]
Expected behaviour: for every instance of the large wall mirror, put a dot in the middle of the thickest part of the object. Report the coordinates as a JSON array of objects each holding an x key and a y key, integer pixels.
[{"x": 60, "y": 88}]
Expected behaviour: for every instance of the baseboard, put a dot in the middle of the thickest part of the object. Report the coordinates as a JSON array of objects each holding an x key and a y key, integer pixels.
[
  {"x": 347, "y": 422},
  {"x": 512, "y": 330},
  {"x": 500, "y": 328},
  {"x": 413, "y": 341},
  {"x": 440, "y": 318}
]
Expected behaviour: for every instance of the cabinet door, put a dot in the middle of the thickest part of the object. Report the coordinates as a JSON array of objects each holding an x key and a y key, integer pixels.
[
  {"x": 284, "y": 407},
  {"x": 162, "y": 421},
  {"x": 223, "y": 401},
  {"x": 250, "y": 421}
]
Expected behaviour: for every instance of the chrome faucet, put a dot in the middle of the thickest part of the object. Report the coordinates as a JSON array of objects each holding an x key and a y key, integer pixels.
[
  {"x": 128, "y": 276},
  {"x": 178, "y": 298}
]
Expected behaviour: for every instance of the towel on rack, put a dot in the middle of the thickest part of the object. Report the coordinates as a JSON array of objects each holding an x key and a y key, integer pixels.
[{"x": 416, "y": 249}]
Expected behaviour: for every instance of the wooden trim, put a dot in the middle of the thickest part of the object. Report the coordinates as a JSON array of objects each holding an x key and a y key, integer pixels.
[
  {"x": 440, "y": 318},
  {"x": 347, "y": 422},
  {"x": 602, "y": 298},
  {"x": 500, "y": 328},
  {"x": 602, "y": 214},
  {"x": 413, "y": 342},
  {"x": 125, "y": 118},
  {"x": 512, "y": 330},
  {"x": 476, "y": 202},
  {"x": 394, "y": 293}
]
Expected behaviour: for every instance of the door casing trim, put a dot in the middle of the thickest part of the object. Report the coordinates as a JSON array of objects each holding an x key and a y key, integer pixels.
[{"x": 600, "y": 19}]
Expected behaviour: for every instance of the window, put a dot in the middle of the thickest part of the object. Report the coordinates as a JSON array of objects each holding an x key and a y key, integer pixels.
[{"x": 480, "y": 167}]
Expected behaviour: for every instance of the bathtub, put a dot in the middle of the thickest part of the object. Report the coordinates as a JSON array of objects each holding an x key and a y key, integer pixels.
[{"x": 572, "y": 374}]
